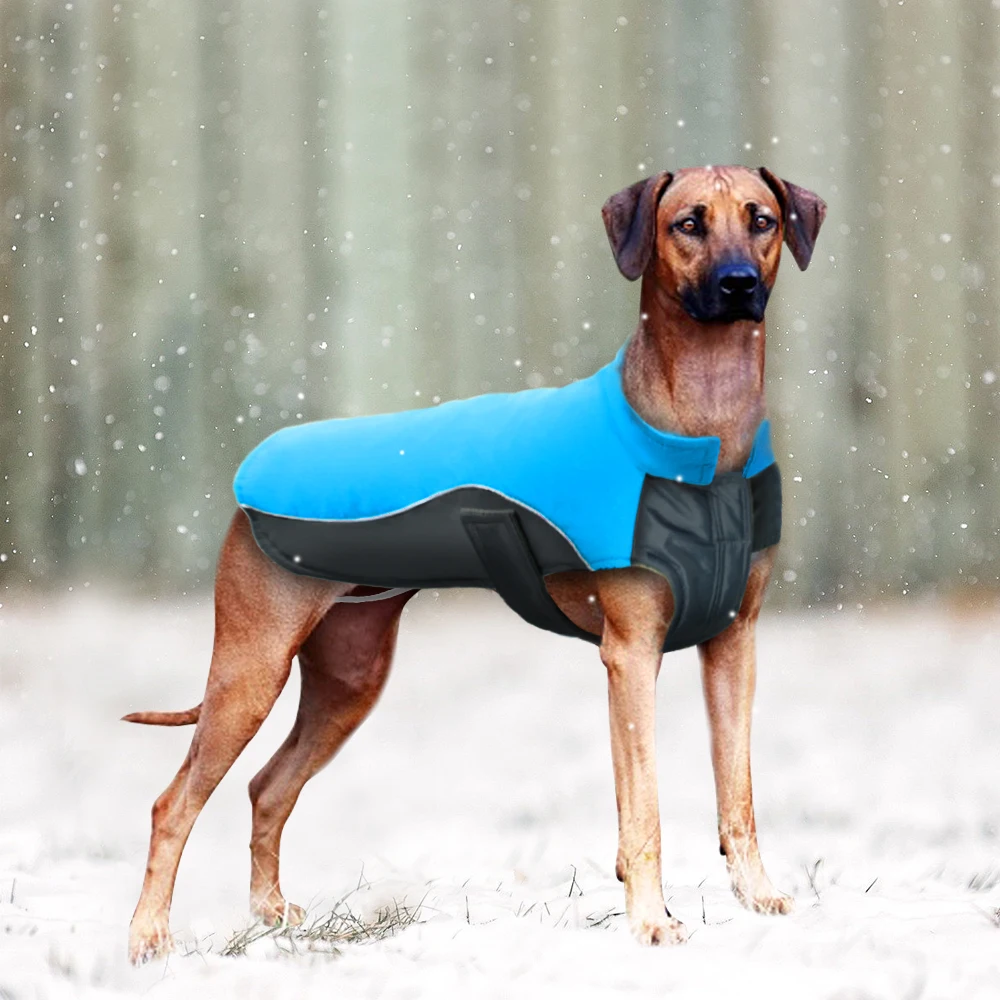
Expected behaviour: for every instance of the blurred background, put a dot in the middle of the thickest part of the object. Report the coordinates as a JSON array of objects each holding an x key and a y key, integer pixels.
[
  {"x": 222, "y": 217},
  {"x": 219, "y": 217}
]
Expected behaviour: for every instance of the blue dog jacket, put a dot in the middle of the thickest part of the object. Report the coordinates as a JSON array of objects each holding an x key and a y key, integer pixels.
[{"x": 503, "y": 489}]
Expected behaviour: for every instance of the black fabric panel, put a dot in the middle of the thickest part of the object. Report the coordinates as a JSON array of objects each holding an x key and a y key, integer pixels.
[
  {"x": 504, "y": 552},
  {"x": 423, "y": 546},
  {"x": 766, "y": 490},
  {"x": 699, "y": 538}
]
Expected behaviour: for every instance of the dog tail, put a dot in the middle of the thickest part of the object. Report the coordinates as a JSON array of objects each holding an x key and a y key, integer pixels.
[{"x": 186, "y": 718}]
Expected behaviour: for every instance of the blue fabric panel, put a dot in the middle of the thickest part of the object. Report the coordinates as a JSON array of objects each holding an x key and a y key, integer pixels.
[
  {"x": 761, "y": 453},
  {"x": 576, "y": 455}
]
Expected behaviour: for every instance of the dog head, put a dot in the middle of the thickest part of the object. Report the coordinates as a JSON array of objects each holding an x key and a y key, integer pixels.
[{"x": 711, "y": 236}]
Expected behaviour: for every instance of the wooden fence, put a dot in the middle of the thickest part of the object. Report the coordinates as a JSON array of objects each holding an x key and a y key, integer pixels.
[{"x": 221, "y": 217}]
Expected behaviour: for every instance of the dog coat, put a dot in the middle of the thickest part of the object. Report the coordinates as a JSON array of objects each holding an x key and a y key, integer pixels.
[{"x": 501, "y": 490}]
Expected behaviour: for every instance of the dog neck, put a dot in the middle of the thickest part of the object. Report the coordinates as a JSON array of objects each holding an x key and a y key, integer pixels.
[{"x": 696, "y": 379}]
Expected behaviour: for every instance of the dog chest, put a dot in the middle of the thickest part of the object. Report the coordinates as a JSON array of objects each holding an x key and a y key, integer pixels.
[{"x": 701, "y": 539}]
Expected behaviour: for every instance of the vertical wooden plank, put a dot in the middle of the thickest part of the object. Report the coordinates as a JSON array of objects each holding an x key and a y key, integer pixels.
[
  {"x": 55, "y": 258},
  {"x": 803, "y": 72},
  {"x": 318, "y": 182},
  {"x": 267, "y": 61},
  {"x": 922, "y": 446},
  {"x": 372, "y": 206},
  {"x": 535, "y": 129},
  {"x": 475, "y": 231},
  {"x": 610, "y": 133},
  {"x": 229, "y": 298},
  {"x": 863, "y": 329},
  {"x": 426, "y": 131},
  {"x": 108, "y": 314},
  {"x": 494, "y": 135},
  {"x": 979, "y": 275},
  {"x": 23, "y": 510},
  {"x": 160, "y": 533},
  {"x": 632, "y": 109},
  {"x": 708, "y": 85}
]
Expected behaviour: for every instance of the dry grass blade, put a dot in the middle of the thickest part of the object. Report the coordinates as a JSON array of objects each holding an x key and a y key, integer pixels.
[
  {"x": 600, "y": 919},
  {"x": 985, "y": 880},
  {"x": 811, "y": 874}
]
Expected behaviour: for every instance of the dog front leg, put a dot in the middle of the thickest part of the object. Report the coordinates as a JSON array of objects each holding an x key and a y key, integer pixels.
[
  {"x": 729, "y": 674},
  {"x": 632, "y": 666}
]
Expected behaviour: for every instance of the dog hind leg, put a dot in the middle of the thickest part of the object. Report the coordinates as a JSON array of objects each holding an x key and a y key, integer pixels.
[
  {"x": 344, "y": 664},
  {"x": 262, "y": 615}
]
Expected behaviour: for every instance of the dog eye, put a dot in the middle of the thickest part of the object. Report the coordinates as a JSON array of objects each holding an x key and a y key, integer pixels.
[
  {"x": 688, "y": 225},
  {"x": 762, "y": 222}
]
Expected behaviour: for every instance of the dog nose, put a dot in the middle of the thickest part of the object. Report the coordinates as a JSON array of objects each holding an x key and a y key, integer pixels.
[{"x": 740, "y": 279}]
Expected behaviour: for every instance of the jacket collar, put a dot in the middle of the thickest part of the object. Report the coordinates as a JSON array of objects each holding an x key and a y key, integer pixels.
[{"x": 672, "y": 456}]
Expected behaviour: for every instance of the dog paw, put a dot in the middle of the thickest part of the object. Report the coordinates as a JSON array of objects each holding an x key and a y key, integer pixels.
[
  {"x": 276, "y": 912},
  {"x": 773, "y": 903},
  {"x": 659, "y": 931},
  {"x": 148, "y": 940},
  {"x": 762, "y": 897},
  {"x": 755, "y": 890}
]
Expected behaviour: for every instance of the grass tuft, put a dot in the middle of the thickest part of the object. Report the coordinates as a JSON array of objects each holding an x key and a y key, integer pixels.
[{"x": 327, "y": 934}]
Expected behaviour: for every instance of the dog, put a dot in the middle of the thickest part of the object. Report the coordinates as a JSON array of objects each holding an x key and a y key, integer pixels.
[{"x": 706, "y": 243}]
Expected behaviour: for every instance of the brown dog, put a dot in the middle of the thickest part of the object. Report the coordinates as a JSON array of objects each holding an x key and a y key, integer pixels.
[{"x": 706, "y": 243}]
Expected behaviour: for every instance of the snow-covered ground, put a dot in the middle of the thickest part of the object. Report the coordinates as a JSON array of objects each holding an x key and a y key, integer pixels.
[{"x": 482, "y": 782}]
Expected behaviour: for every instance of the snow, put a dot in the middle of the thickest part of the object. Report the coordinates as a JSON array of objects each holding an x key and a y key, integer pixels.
[{"x": 482, "y": 786}]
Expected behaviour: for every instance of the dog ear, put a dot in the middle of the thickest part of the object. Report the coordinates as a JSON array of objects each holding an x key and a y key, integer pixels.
[
  {"x": 630, "y": 219},
  {"x": 803, "y": 213}
]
